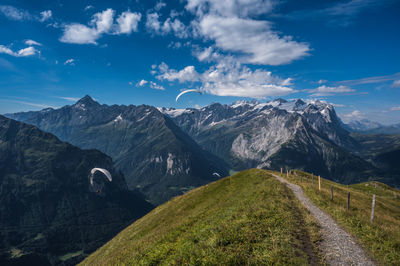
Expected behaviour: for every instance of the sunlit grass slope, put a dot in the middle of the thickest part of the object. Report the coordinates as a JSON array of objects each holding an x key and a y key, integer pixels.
[
  {"x": 249, "y": 218},
  {"x": 382, "y": 238}
]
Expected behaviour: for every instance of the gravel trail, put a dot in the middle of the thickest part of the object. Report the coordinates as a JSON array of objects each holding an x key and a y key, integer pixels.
[{"x": 338, "y": 246}]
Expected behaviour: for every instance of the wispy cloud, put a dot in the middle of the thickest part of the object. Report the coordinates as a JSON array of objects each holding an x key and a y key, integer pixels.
[
  {"x": 341, "y": 13},
  {"x": 18, "y": 14},
  {"x": 329, "y": 91},
  {"x": 45, "y": 15},
  {"x": 70, "y": 99},
  {"x": 40, "y": 105},
  {"x": 395, "y": 108},
  {"x": 371, "y": 80},
  {"x": 396, "y": 84},
  {"x": 156, "y": 86}
]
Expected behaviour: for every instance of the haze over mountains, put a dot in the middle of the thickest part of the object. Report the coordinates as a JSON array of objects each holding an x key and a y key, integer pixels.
[
  {"x": 164, "y": 152},
  {"x": 47, "y": 210},
  {"x": 370, "y": 127}
]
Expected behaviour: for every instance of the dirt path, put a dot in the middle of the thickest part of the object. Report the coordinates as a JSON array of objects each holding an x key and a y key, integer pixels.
[{"x": 338, "y": 247}]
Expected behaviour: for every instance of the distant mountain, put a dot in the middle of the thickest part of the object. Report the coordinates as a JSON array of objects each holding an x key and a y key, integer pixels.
[
  {"x": 280, "y": 133},
  {"x": 48, "y": 213},
  {"x": 390, "y": 130},
  {"x": 366, "y": 126},
  {"x": 155, "y": 155},
  {"x": 362, "y": 125}
]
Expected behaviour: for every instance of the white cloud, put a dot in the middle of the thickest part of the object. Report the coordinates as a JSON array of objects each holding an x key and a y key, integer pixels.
[
  {"x": 329, "y": 91},
  {"x": 152, "y": 22},
  {"x": 152, "y": 85},
  {"x": 28, "y": 51},
  {"x": 396, "y": 84},
  {"x": 229, "y": 8},
  {"x": 395, "y": 108},
  {"x": 353, "y": 116},
  {"x": 230, "y": 79},
  {"x": 187, "y": 74},
  {"x": 235, "y": 27},
  {"x": 253, "y": 40},
  {"x": 175, "y": 45},
  {"x": 79, "y": 34},
  {"x": 170, "y": 25},
  {"x": 159, "y": 6},
  {"x": 128, "y": 22},
  {"x": 321, "y": 81},
  {"x": 101, "y": 23},
  {"x": 45, "y": 15},
  {"x": 155, "y": 86},
  {"x": 142, "y": 83},
  {"x": 17, "y": 14},
  {"x": 89, "y": 7},
  {"x": 32, "y": 42},
  {"x": 70, "y": 62},
  {"x": 14, "y": 13}
]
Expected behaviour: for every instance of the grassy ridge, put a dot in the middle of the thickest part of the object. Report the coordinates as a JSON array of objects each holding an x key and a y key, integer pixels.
[
  {"x": 382, "y": 238},
  {"x": 249, "y": 218}
]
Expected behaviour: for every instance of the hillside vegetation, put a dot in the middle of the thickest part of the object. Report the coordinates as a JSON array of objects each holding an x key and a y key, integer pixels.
[
  {"x": 380, "y": 239},
  {"x": 248, "y": 218}
]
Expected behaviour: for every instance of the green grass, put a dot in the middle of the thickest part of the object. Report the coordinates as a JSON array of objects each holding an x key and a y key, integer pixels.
[
  {"x": 380, "y": 239},
  {"x": 249, "y": 218}
]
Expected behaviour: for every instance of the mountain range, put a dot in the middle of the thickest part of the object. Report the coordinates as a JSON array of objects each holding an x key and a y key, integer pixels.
[
  {"x": 164, "y": 152},
  {"x": 278, "y": 134},
  {"x": 48, "y": 213},
  {"x": 154, "y": 154}
]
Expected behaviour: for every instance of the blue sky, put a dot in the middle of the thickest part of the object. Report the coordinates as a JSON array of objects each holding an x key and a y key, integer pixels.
[{"x": 145, "y": 52}]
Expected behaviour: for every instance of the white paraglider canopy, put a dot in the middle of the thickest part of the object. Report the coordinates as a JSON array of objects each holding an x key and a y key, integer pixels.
[
  {"x": 104, "y": 171},
  {"x": 186, "y": 91},
  {"x": 216, "y": 174}
]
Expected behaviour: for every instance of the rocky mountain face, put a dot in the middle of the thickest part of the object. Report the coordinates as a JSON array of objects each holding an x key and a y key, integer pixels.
[
  {"x": 155, "y": 155},
  {"x": 48, "y": 213},
  {"x": 280, "y": 133}
]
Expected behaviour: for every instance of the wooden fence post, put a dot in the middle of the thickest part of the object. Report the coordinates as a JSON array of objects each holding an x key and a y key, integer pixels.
[
  {"x": 331, "y": 193},
  {"x": 319, "y": 182},
  {"x": 373, "y": 209},
  {"x": 281, "y": 170},
  {"x": 348, "y": 200},
  {"x": 287, "y": 173}
]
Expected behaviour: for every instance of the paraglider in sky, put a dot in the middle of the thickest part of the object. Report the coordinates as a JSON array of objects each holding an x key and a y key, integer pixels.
[
  {"x": 217, "y": 175},
  {"x": 186, "y": 91},
  {"x": 97, "y": 185}
]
